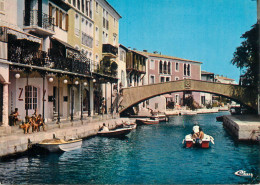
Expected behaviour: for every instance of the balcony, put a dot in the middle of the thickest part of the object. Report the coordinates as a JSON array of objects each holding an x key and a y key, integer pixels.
[
  {"x": 109, "y": 50},
  {"x": 38, "y": 22},
  {"x": 31, "y": 56}
]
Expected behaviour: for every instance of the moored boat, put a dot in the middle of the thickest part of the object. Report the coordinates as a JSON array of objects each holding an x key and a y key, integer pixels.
[
  {"x": 147, "y": 121},
  {"x": 121, "y": 132},
  {"x": 59, "y": 145},
  {"x": 161, "y": 118},
  {"x": 191, "y": 140}
]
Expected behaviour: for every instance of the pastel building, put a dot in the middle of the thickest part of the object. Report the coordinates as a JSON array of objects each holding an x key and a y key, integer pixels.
[
  {"x": 163, "y": 68},
  {"x": 206, "y": 98},
  {"x": 46, "y": 59}
]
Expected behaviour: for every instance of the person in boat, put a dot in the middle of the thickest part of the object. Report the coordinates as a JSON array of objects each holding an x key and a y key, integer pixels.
[
  {"x": 196, "y": 132},
  {"x": 201, "y": 133},
  {"x": 104, "y": 128}
]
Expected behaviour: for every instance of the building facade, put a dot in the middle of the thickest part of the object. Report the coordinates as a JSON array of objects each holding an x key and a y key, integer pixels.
[
  {"x": 47, "y": 60},
  {"x": 163, "y": 68}
]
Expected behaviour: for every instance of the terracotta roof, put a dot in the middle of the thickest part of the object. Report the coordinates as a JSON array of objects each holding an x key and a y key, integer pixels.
[
  {"x": 206, "y": 73},
  {"x": 165, "y": 56}
]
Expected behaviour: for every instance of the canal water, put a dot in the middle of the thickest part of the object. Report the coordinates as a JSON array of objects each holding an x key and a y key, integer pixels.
[{"x": 151, "y": 154}]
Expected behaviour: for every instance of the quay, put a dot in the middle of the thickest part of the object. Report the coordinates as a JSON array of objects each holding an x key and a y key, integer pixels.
[
  {"x": 13, "y": 141},
  {"x": 243, "y": 127}
]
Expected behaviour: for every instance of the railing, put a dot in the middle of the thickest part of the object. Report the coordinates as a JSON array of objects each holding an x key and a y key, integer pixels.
[
  {"x": 36, "y": 18},
  {"x": 26, "y": 56},
  {"x": 78, "y": 64},
  {"x": 87, "y": 40},
  {"x": 108, "y": 48}
]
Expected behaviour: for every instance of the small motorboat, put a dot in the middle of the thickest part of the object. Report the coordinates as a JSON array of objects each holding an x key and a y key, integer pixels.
[
  {"x": 161, "y": 118},
  {"x": 121, "y": 132},
  {"x": 191, "y": 141},
  {"x": 243, "y": 173},
  {"x": 58, "y": 145},
  {"x": 147, "y": 121}
]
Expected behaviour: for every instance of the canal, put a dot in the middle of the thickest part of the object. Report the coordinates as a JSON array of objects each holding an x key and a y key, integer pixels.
[{"x": 149, "y": 155}]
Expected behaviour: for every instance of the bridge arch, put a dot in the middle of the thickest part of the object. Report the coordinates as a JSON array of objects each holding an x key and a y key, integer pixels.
[{"x": 135, "y": 95}]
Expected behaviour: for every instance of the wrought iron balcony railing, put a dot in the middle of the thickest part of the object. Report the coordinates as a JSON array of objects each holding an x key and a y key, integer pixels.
[
  {"x": 79, "y": 64},
  {"x": 108, "y": 48},
  {"x": 36, "y": 18}
]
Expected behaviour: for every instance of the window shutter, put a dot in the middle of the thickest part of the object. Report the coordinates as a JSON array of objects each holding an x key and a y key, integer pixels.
[
  {"x": 60, "y": 19},
  {"x": 57, "y": 17},
  {"x": 50, "y": 10},
  {"x": 67, "y": 22}
]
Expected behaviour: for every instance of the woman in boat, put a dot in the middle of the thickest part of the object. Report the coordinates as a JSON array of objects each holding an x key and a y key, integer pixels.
[{"x": 201, "y": 133}]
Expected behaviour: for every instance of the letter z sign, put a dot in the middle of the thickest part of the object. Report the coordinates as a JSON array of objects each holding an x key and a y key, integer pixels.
[{"x": 20, "y": 95}]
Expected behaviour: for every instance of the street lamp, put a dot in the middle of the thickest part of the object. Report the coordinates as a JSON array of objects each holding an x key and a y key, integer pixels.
[
  {"x": 65, "y": 81},
  {"x": 76, "y": 82},
  {"x": 17, "y": 75},
  {"x": 50, "y": 79}
]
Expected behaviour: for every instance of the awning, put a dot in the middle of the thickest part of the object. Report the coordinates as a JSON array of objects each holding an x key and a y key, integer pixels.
[
  {"x": 22, "y": 35},
  {"x": 68, "y": 46}
]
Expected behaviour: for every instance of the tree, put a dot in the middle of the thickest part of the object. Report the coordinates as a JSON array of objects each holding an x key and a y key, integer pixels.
[{"x": 246, "y": 57}]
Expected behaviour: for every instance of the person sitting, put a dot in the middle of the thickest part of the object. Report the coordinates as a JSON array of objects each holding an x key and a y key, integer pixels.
[
  {"x": 15, "y": 116},
  {"x": 40, "y": 122},
  {"x": 195, "y": 132},
  {"x": 201, "y": 133},
  {"x": 104, "y": 128}
]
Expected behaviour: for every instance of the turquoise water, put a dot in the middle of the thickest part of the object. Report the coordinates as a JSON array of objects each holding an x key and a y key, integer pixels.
[{"x": 149, "y": 155}]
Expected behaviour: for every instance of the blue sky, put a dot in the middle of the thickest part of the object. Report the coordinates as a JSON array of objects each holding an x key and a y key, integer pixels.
[{"x": 202, "y": 30}]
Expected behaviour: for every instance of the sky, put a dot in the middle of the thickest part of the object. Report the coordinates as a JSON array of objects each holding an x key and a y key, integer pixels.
[{"x": 208, "y": 31}]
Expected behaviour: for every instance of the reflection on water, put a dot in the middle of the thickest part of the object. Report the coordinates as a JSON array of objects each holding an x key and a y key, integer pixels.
[{"x": 149, "y": 155}]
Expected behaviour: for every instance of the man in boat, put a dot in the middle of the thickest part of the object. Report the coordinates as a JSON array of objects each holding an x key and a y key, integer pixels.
[
  {"x": 196, "y": 131},
  {"x": 104, "y": 128}
]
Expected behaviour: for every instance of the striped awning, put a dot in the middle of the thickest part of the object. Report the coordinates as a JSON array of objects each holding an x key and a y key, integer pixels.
[{"x": 22, "y": 35}]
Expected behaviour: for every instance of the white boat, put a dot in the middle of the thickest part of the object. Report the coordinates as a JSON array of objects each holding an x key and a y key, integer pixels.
[
  {"x": 243, "y": 173},
  {"x": 56, "y": 145},
  {"x": 189, "y": 140},
  {"x": 121, "y": 132}
]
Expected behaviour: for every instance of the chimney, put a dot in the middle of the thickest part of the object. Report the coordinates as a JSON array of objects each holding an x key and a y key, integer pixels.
[
  {"x": 155, "y": 52},
  {"x": 134, "y": 49},
  {"x": 145, "y": 50},
  {"x": 129, "y": 47}
]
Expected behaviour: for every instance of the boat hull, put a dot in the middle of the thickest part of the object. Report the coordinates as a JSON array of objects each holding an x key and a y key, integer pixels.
[
  {"x": 115, "y": 133},
  {"x": 189, "y": 142},
  {"x": 62, "y": 147},
  {"x": 146, "y": 122}
]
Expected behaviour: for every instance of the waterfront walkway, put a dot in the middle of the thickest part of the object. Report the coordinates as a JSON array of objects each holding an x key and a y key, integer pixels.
[
  {"x": 243, "y": 127},
  {"x": 13, "y": 140}
]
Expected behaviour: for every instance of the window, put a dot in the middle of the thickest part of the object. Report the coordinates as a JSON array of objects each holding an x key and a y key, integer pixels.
[
  {"x": 97, "y": 7},
  {"x": 77, "y": 24},
  {"x": 203, "y": 100},
  {"x": 165, "y": 67},
  {"x": 122, "y": 55},
  {"x": 152, "y": 64},
  {"x": 186, "y": 69},
  {"x": 176, "y": 78},
  {"x": 114, "y": 38},
  {"x": 90, "y": 9},
  {"x": 30, "y": 97},
  {"x": 177, "y": 66},
  {"x": 167, "y": 79},
  {"x": 156, "y": 105},
  {"x": 82, "y": 6},
  {"x": 177, "y": 99},
  {"x": 114, "y": 22},
  {"x": 162, "y": 79},
  {"x": 152, "y": 80},
  {"x": 123, "y": 78},
  {"x": 79, "y": 4},
  {"x": 169, "y": 67},
  {"x": 74, "y": 3},
  {"x": 97, "y": 36},
  {"x": 161, "y": 67},
  {"x": 87, "y": 7}
]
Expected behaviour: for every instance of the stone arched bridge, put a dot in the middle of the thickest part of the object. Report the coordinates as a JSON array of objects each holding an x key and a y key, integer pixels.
[{"x": 135, "y": 95}]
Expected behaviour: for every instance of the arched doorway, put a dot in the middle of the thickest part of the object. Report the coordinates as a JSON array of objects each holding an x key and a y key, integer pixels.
[{"x": 85, "y": 100}]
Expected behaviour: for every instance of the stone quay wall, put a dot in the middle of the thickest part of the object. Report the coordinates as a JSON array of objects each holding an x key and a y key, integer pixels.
[
  {"x": 243, "y": 128},
  {"x": 19, "y": 143}
]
